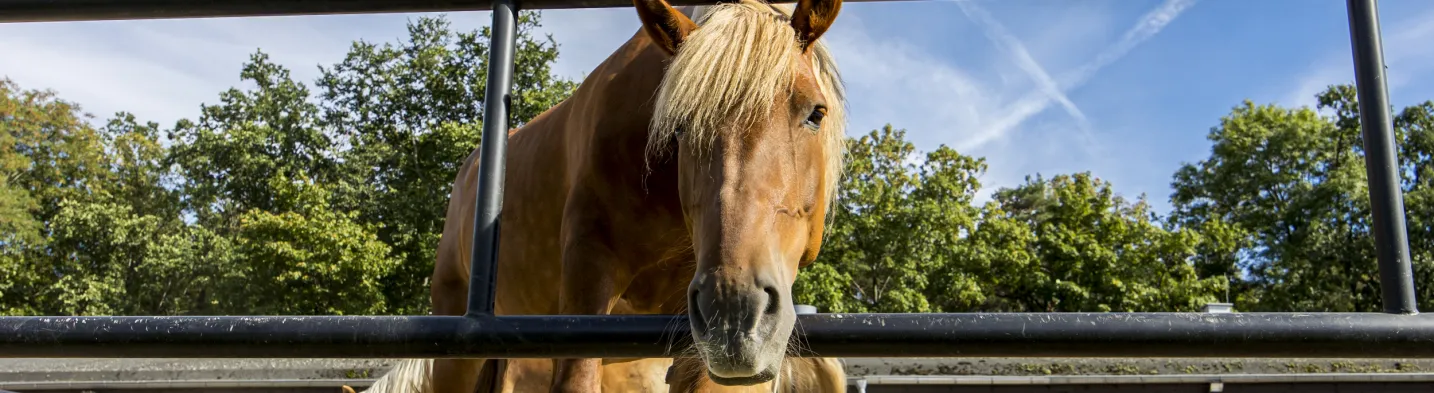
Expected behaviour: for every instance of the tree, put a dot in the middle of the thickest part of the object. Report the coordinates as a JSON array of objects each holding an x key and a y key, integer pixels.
[
  {"x": 907, "y": 238},
  {"x": 1414, "y": 126},
  {"x": 274, "y": 200},
  {"x": 48, "y": 155},
  {"x": 56, "y": 155},
  {"x": 893, "y": 222},
  {"x": 228, "y": 156},
  {"x": 1289, "y": 186},
  {"x": 1070, "y": 244},
  {"x": 410, "y": 113},
  {"x": 305, "y": 258},
  {"x": 106, "y": 236}
]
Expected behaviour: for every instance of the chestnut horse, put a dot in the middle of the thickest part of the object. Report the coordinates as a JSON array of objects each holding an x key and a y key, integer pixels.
[
  {"x": 662, "y": 375},
  {"x": 691, "y": 172},
  {"x": 658, "y": 375}
]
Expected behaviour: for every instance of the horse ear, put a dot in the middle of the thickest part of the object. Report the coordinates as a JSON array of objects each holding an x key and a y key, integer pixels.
[
  {"x": 811, "y": 18},
  {"x": 666, "y": 25}
]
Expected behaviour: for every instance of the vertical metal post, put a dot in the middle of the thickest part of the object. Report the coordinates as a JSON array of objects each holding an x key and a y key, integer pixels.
[
  {"x": 1391, "y": 241},
  {"x": 483, "y": 266}
]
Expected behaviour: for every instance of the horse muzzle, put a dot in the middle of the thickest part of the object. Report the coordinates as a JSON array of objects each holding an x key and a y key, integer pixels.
[{"x": 740, "y": 326}]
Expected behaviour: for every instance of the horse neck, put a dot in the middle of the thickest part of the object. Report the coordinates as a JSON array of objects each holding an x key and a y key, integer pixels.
[
  {"x": 602, "y": 130},
  {"x": 612, "y": 110}
]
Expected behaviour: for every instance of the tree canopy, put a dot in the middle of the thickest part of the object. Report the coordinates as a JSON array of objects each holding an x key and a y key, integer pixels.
[{"x": 328, "y": 197}]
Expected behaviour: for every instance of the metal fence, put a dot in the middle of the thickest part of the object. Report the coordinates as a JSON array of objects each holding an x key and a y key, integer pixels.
[{"x": 1397, "y": 332}]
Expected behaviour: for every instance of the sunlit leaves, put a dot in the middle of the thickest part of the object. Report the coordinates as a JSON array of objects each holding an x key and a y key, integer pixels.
[{"x": 908, "y": 238}]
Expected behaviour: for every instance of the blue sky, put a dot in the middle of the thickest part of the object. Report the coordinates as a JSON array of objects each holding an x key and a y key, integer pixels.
[{"x": 1127, "y": 89}]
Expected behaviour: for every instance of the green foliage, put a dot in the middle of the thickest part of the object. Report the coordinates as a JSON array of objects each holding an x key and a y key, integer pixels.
[
  {"x": 279, "y": 199},
  {"x": 908, "y": 239},
  {"x": 116, "y": 257},
  {"x": 410, "y": 113},
  {"x": 48, "y": 154},
  {"x": 336, "y": 261},
  {"x": 1070, "y": 244},
  {"x": 227, "y": 157},
  {"x": 50, "y": 151},
  {"x": 274, "y": 200},
  {"x": 1284, "y": 190},
  {"x": 878, "y": 256}
]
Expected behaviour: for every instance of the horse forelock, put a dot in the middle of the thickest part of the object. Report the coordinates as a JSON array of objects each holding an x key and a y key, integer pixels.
[{"x": 732, "y": 69}]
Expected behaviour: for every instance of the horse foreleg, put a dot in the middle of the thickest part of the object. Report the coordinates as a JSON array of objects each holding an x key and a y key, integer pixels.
[
  {"x": 589, "y": 287},
  {"x": 456, "y": 375},
  {"x": 450, "y": 297}
]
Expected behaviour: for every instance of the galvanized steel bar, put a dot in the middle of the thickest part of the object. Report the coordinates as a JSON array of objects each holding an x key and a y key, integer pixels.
[
  {"x": 1397, "y": 333},
  {"x": 91, "y": 10},
  {"x": 497, "y": 100},
  {"x": 1330, "y": 335},
  {"x": 1381, "y": 159}
]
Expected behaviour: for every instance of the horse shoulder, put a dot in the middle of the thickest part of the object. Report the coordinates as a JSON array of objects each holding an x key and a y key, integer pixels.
[{"x": 449, "y": 281}]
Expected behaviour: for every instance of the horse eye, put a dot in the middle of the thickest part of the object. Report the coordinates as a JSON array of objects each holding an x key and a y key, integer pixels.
[{"x": 814, "y": 120}]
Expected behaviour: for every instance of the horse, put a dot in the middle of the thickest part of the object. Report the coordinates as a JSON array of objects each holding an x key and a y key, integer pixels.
[
  {"x": 661, "y": 375},
  {"x": 799, "y": 375},
  {"x": 652, "y": 375},
  {"x": 693, "y": 171},
  {"x": 637, "y": 376}
]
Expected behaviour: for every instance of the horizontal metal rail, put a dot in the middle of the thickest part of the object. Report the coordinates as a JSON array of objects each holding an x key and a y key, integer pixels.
[
  {"x": 1343, "y": 335},
  {"x": 92, "y": 10},
  {"x": 1398, "y": 333}
]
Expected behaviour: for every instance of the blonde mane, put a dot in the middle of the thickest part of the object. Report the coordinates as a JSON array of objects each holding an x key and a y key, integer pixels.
[{"x": 732, "y": 69}]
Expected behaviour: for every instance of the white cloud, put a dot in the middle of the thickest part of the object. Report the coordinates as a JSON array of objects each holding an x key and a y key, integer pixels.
[
  {"x": 102, "y": 81},
  {"x": 1008, "y": 43},
  {"x": 888, "y": 79},
  {"x": 159, "y": 69},
  {"x": 587, "y": 36},
  {"x": 1146, "y": 27},
  {"x": 939, "y": 102},
  {"x": 162, "y": 70}
]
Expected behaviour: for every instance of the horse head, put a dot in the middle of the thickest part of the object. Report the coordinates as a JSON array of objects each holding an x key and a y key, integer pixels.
[{"x": 751, "y": 106}]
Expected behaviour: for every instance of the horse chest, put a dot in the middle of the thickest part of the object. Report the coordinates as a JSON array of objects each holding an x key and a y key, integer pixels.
[{"x": 660, "y": 288}]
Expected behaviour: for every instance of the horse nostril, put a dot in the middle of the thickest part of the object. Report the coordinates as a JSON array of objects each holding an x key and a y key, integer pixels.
[
  {"x": 694, "y": 312},
  {"x": 774, "y": 300}
]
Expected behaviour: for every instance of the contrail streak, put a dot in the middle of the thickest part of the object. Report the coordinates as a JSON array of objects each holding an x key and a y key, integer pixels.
[
  {"x": 1008, "y": 43},
  {"x": 1148, "y": 26}
]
